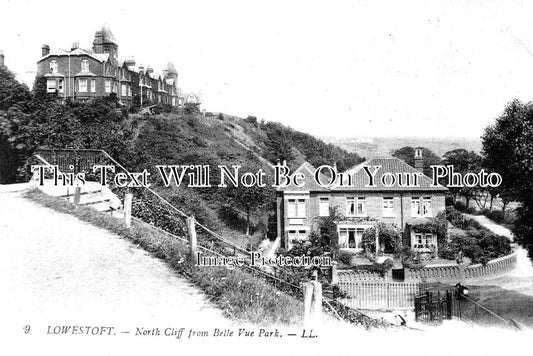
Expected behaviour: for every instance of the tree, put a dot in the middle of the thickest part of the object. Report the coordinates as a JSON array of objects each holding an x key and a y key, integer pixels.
[
  {"x": 407, "y": 154},
  {"x": 327, "y": 229},
  {"x": 249, "y": 199},
  {"x": 463, "y": 161},
  {"x": 508, "y": 150}
]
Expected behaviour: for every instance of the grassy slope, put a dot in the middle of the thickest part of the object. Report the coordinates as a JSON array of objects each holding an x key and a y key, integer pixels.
[
  {"x": 212, "y": 140},
  {"x": 241, "y": 296}
]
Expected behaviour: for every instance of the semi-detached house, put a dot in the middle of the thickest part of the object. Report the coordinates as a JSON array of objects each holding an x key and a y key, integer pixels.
[{"x": 299, "y": 208}]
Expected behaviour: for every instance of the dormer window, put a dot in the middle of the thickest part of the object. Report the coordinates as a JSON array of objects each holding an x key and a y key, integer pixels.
[
  {"x": 85, "y": 65},
  {"x": 53, "y": 66}
]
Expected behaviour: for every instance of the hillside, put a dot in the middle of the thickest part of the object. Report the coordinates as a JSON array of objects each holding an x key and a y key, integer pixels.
[
  {"x": 35, "y": 119},
  {"x": 213, "y": 140}
]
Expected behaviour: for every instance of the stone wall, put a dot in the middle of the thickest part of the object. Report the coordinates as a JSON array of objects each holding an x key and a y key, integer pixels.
[{"x": 461, "y": 273}]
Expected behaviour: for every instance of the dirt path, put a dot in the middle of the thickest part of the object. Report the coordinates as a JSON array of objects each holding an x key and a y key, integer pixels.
[
  {"x": 520, "y": 279},
  {"x": 58, "y": 269}
]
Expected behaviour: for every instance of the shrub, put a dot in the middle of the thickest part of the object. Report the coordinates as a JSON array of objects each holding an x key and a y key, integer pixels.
[
  {"x": 448, "y": 201},
  {"x": 389, "y": 236},
  {"x": 479, "y": 246},
  {"x": 459, "y": 205},
  {"x": 345, "y": 258}
]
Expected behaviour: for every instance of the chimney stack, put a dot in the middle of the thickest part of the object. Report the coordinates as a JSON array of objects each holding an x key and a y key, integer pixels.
[
  {"x": 1, "y": 59},
  {"x": 75, "y": 45},
  {"x": 45, "y": 50},
  {"x": 150, "y": 70},
  {"x": 419, "y": 159}
]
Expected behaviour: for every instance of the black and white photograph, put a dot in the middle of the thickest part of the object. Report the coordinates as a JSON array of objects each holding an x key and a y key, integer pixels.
[{"x": 266, "y": 177}]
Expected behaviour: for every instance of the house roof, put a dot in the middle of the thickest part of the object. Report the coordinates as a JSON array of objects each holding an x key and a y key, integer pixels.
[
  {"x": 308, "y": 172},
  {"x": 392, "y": 165},
  {"x": 101, "y": 57},
  {"x": 360, "y": 178}
]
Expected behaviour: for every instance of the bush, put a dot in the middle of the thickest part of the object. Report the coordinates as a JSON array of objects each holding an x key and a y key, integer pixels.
[
  {"x": 458, "y": 220},
  {"x": 480, "y": 246},
  {"x": 448, "y": 201},
  {"x": 389, "y": 236},
  {"x": 345, "y": 258},
  {"x": 459, "y": 205}
]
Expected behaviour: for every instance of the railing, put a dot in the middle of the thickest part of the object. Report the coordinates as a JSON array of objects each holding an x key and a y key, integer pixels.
[
  {"x": 495, "y": 266},
  {"x": 380, "y": 295},
  {"x": 358, "y": 275},
  {"x": 210, "y": 242},
  {"x": 430, "y": 274},
  {"x": 458, "y": 273}
]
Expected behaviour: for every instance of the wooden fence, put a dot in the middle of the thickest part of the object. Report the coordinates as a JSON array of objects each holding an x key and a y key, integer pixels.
[{"x": 380, "y": 294}]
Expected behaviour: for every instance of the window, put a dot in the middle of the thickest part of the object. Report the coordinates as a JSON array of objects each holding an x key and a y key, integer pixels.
[
  {"x": 423, "y": 242},
  {"x": 108, "y": 86},
  {"x": 61, "y": 85},
  {"x": 323, "y": 207},
  {"x": 82, "y": 85},
  {"x": 388, "y": 207},
  {"x": 124, "y": 90},
  {"x": 129, "y": 91},
  {"x": 51, "y": 86},
  {"x": 426, "y": 206},
  {"x": 356, "y": 206},
  {"x": 53, "y": 66},
  {"x": 93, "y": 86},
  {"x": 415, "y": 206},
  {"x": 115, "y": 88},
  {"x": 351, "y": 237},
  {"x": 296, "y": 208},
  {"x": 296, "y": 235},
  {"x": 85, "y": 65}
]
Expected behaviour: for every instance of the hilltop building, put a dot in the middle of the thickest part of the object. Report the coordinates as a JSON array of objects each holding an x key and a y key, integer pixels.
[{"x": 84, "y": 74}]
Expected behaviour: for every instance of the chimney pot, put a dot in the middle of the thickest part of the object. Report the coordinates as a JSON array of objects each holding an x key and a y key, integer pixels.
[
  {"x": 45, "y": 50},
  {"x": 419, "y": 159},
  {"x": 1, "y": 58}
]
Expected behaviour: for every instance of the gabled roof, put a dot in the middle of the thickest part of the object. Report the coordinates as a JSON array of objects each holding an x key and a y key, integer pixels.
[
  {"x": 388, "y": 165},
  {"x": 360, "y": 178},
  {"x": 308, "y": 172},
  {"x": 101, "y": 57}
]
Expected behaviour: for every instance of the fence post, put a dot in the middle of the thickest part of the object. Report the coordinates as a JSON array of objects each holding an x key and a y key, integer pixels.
[
  {"x": 312, "y": 291},
  {"x": 191, "y": 229},
  {"x": 77, "y": 194},
  {"x": 308, "y": 299},
  {"x": 377, "y": 239},
  {"x": 449, "y": 306},
  {"x": 334, "y": 273},
  {"x": 128, "y": 199}
]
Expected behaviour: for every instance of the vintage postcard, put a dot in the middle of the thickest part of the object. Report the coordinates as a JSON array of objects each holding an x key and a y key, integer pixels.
[{"x": 266, "y": 177}]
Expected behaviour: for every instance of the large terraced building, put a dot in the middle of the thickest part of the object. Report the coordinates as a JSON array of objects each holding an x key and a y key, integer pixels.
[{"x": 84, "y": 74}]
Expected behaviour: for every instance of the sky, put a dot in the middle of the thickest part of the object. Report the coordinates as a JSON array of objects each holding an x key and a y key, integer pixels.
[{"x": 329, "y": 68}]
